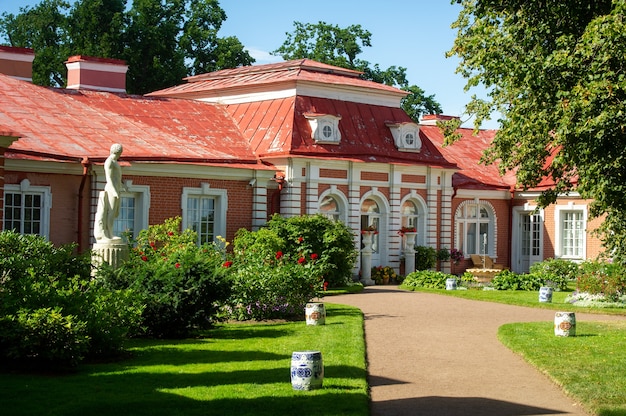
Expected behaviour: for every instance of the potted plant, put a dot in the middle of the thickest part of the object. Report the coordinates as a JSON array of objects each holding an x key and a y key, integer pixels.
[{"x": 383, "y": 274}]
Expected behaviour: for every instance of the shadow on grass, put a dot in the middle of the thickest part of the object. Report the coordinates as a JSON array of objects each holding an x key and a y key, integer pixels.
[{"x": 152, "y": 393}]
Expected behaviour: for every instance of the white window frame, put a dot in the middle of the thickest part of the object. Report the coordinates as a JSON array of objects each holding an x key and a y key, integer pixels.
[
  {"x": 220, "y": 208},
  {"x": 25, "y": 188},
  {"x": 141, "y": 194},
  {"x": 401, "y": 132},
  {"x": 324, "y": 128},
  {"x": 559, "y": 232},
  {"x": 461, "y": 241}
]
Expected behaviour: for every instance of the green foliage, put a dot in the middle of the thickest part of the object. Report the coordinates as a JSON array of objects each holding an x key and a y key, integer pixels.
[
  {"x": 556, "y": 273},
  {"x": 276, "y": 270},
  {"x": 44, "y": 337},
  {"x": 340, "y": 47},
  {"x": 179, "y": 282},
  {"x": 443, "y": 254},
  {"x": 162, "y": 42},
  {"x": 425, "y": 257},
  {"x": 332, "y": 241},
  {"x": 426, "y": 279},
  {"x": 508, "y": 280},
  {"x": 555, "y": 72},
  {"x": 608, "y": 279},
  {"x": 52, "y": 313}
]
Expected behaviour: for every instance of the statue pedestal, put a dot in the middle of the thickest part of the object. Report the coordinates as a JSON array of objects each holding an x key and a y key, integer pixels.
[{"x": 112, "y": 252}]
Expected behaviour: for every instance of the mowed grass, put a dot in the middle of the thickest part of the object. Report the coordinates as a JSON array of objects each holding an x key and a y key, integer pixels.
[
  {"x": 524, "y": 298},
  {"x": 590, "y": 367},
  {"x": 237, "y": 369}
]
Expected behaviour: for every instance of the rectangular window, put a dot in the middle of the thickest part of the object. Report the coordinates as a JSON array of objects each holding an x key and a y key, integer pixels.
[
  {"x": 125, "y": 222},
  {"x": 201, "y": 217},
  {"x": 26, "y": 212},
  {"x": 572, "y": 234}
]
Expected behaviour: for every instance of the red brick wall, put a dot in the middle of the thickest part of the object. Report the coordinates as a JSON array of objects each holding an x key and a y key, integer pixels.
[
  {"x": 333, "y": 173},
  {"x": 166, "y": 192}
]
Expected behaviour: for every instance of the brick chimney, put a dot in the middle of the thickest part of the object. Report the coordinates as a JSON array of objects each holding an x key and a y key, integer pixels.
[
  {"x": 17, "y": 62},
  {"x": 101, "y": 74}
]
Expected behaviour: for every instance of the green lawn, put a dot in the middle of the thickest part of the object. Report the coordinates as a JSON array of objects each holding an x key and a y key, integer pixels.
[
  {"x": 237, "y": 369},
  {"x": 524, "y": 298},
  {"x": 590, "y": 366}
]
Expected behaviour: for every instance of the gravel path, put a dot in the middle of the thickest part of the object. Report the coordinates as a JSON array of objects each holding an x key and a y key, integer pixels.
[{"x": 430, "y": 354}]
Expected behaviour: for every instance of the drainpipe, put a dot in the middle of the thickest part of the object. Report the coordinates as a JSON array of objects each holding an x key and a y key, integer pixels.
[
  {"x": 81, "y": 190},
  {"x": 510, "y": 256}
]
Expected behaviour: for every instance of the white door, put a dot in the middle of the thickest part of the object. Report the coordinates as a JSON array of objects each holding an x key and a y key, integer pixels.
[{"x": 528, "y": 249}]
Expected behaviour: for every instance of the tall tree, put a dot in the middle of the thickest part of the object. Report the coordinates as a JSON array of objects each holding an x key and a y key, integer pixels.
[
  {"x": 556, "y": 72},
  {"x": 337, "y": 46},
  {"x": 162, "y": 41}
]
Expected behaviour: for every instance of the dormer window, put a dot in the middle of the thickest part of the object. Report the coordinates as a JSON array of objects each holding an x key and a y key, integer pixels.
[
  {"x": 406, "y": 136},
  {"x": 324, "y": 128}
]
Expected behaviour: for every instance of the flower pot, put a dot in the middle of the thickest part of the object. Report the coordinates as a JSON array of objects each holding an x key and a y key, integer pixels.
[{"x": 451, "y": 284}]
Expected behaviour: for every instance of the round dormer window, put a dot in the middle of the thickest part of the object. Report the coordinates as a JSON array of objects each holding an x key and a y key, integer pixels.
[{"x": 409, "y": 139}]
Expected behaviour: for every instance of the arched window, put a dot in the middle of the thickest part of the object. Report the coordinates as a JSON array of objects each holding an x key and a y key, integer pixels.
[
  {"x": 475, "y": 226},
  {"x": 370, "y": 218},
  {"x": 329, "y": 207},
  {"x": 409, "y": 215}
]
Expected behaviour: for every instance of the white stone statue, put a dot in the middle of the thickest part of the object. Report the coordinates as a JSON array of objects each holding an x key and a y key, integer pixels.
[{"x": 109, "y": 199}]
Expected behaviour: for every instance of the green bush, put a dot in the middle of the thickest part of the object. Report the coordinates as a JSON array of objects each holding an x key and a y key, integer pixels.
[
  {"x": 52, "y": 312},
  {"x": 425, "y": 257},
  {"x": 268, "y": 282},
  {"x": 180, "y": 283},
  {"x": 608, "y": 279},
  {"x": 556, "y": 273},
  {"x": 426, "y": 279},
  {"x": 508, "y": 280},
  {"x": 44, "y": 337},
  {"x": 332, "y": 241}
]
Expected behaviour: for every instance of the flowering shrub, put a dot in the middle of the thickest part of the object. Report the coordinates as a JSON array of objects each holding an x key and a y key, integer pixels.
[
  {"x": 607, "y": 279},
  {"x": 332, "y": 241},
  {"x": 269, "y": 282},
  {"x": 179, "y": 282}
]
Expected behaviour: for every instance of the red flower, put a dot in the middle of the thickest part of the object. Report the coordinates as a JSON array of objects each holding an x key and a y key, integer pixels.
[
  {"x": 170, "y": 233},
  {"x": 325, "y": 286},
  {"x": 300, "y": 239},
  {"x": 152, "y": 244},
  {"x": 301, "y": 260},
  {"x": 314, "y": 256},
  {"x": 144, "y": 258},
  {"x": 177, "y": 265},
  {"x": 279, "y": 254},
  {"x": 227, "y": 264}
]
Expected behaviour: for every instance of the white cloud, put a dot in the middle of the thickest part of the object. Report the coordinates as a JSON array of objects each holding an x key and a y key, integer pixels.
[{"x": 263, "y": 57}]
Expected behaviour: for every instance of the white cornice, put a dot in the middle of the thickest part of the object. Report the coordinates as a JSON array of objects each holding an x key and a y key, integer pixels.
[
  {"x": 483, "y": 194},
  {"x": 304, "y": 88}
]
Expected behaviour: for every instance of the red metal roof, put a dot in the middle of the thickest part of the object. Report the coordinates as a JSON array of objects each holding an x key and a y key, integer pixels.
[
  {"x": 466, "y": 153},
  {"x": 278, "y": 128},
  {"x": 67, "y": 123},
  {"x": 302, "y": 70}
]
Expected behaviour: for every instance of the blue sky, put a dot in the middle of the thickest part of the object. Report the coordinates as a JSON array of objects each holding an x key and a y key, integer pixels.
[{"x": 414, "y": 34}]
